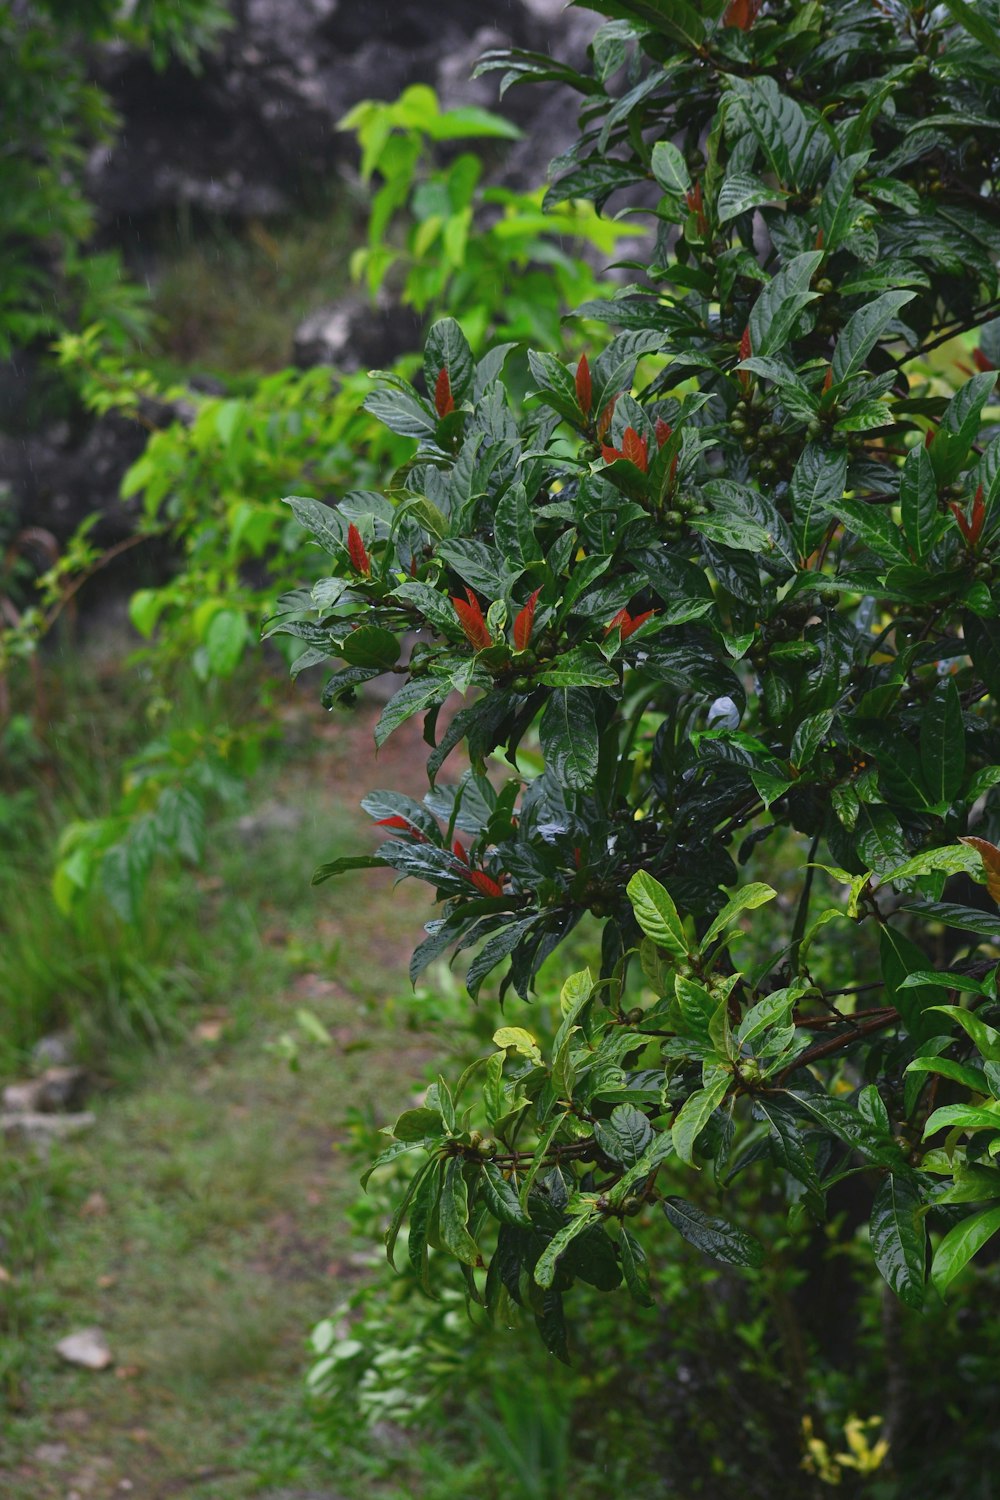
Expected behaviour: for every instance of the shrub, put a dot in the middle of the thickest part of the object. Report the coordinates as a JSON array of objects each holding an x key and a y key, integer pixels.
[{"x": 722, "y": 589}]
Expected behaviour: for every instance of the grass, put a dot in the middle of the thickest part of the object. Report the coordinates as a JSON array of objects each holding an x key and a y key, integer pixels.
[
  {"x": 203, "y": 1223},
  {"x": 229, "y": 302}
]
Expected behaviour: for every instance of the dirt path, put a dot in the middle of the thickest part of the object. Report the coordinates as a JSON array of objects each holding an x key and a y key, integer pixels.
[{"x": 202, "y": 1223}]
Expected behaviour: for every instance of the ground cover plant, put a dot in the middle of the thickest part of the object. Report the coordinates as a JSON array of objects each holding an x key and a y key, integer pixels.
[{"x": 724, "y": 587}]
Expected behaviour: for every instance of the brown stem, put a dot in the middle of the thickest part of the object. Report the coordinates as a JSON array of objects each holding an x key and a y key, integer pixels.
[{"x": 877, "y": 1021}]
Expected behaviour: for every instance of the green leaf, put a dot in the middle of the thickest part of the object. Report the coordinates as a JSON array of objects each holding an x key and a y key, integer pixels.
[
  {"x": 419, "y": 1125},
  {"x": 962, "y": 1117},
  {"x": 548, "y": 1261},
  {"x": 695, "y": 1114},
  {"x": 747, "y": 898},
  {"x": 818, "y": 483},
  {"x": 625, "y": 1136},
  {"x": 411, "y": 699},
  {"x": 715, "y": 1237},
  {"x": 777, "y": 309},
  {"x": 399, "y": 1214},
  {"x": 674, "y": 18},
  {"x": 370, "y": 646},
  {"x": 224, "y": 641},
  {"x": 501, "y": 1199},
  {"x": 635, "y": 1268},
  {"x": 402, "y": 411},
  {"x": 942, "y": 742},
  {"x": 876, "y": 529},
  {"x": 808, "y": 737},
  {"x": 960, "y": 1245},
  {"x": 568, "y": 735},
  {"x": 918, "y": 502},
  {"x": 899, "y": 1237},
  {"x": 976, "y": 25},
  {"x": 879, "y": 838},
  {"x": 522, "y": 1041},
  {"x": 323, "y": 523},
  {"x": 947, "y": 1067},
  {"x": 862, "y": 332},
  {"x": 447, "y": 348},
  {"x": 453, "y": 1215},
  {"x": 740, "y": 192},
  {"x": 986, "y": 1038},
  {"x": 583, "y": 666},
  {"x": 669, "y": 168},
  {"x": 656, "y": 913},
  {"x": 398, "y": 1148}
]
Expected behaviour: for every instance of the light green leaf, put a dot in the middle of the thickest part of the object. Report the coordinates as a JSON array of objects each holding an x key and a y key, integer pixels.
[
  {"x": 695, "y": 1114},
  {"x": 747, "y": 898},
  {"x": 960, "y": 1245},
  {"x": 656, "y": 913}
]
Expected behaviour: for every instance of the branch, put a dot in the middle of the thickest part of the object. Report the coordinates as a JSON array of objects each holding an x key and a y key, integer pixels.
[{"x": 877, "y": 1021}]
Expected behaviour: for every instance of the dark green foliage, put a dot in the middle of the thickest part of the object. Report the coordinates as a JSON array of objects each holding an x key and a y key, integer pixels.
[{"x": 737, "y": 574}]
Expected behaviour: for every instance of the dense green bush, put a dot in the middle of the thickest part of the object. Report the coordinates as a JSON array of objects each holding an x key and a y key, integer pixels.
[{"x": 725, "y": 588}]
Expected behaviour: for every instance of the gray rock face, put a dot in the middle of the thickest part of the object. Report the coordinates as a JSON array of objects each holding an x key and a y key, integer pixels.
[
  {"x": 250, "y": 135},
  {"x": 353, "y": 335}
]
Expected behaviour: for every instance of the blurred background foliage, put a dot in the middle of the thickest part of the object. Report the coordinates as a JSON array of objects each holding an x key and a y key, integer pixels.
[{"x": 126, "y": 750}]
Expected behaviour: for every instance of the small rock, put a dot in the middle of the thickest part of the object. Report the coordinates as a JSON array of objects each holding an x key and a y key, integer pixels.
[
  {"x": 88, "y": 1348},
  {"x": 55, "y": 1050},
  {"x": 62, "y": 1090},
  {"x": 40, "y": 1131},
  {"x": 51, "y": 1453},
  {"x": 22, "y": 1097}
]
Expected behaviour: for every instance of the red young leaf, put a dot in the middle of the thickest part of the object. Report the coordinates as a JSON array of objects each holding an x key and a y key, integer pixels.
[
  {"x": 635, "y": 448},
  {"x": 458, "y": 849},
  {"x": 741, "y": 13},
  {"x": 624, "y": 622},
  {"x": 444, "y": 401},
  {"x": 663, "y": 431},
  {"x": 360, "y": 560},
  {"x": 820, "y": 240},
  {"x": 485, "y": 883},
  {"x": 978, "y": 514},
  {"x": 633, "y": 622},
  {"x": 928, "y": 440},
  {"x": 470, "y": 617},
  {"x": 524, "y": 621},
  {"x": 604, "y": 421},
  {"x": 828, "y": 379},
  {"x": 981, "y": 362},
  {"x": 971, "y": 529},
  {"x": 404, "y": 826},
  {"x": 990, "y": 856},
  {"x": 696, "y": 203},
  {"x": 746, "y": 347},
  {"x": 584, "y": 386}
]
